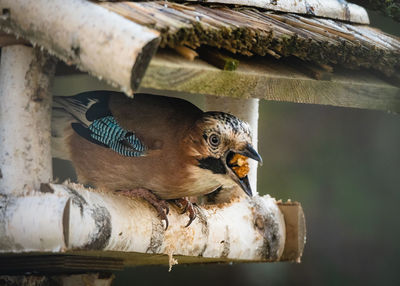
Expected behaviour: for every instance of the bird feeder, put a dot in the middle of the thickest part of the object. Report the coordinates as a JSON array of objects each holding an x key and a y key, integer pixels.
[{"x": 294, "y": 51}]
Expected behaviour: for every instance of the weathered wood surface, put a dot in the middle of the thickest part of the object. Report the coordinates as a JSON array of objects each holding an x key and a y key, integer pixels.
[
  {"x": 84, "y": 34},
  {"x": 268, "y": 79},
  {"x": 334, "y": 9},
  {"x": 249, "y": 31},
  {"x": 25, "y": 118},
  {"x": 71, "y": 220},
  {"x": 34, "y": 262}
]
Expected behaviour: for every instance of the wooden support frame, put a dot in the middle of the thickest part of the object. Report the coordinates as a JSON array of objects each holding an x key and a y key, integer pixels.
[
  {"x": 263, "y": 78},
  {"x": 75, "y": 222},
  {"x": 24, "y": 211}
]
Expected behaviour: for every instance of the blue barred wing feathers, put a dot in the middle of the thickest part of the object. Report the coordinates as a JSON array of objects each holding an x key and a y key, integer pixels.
[{"x": 96, "y": 123}]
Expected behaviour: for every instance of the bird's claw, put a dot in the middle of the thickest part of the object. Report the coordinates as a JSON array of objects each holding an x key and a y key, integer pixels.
[
  {"x": 187, "y": 206},
  {"x": 160, "y": 205}
]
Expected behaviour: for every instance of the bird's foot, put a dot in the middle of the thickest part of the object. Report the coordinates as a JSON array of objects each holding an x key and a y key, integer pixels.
[
  {"x": 160, "y": 205},
  {"x": 186, "y": 206}
]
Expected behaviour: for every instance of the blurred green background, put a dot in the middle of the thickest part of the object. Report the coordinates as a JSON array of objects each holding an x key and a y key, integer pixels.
[{"x": 343, "y": 165}]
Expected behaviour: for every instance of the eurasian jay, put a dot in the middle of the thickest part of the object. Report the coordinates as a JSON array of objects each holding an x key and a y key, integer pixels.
[{"x": 159, "y": 148}]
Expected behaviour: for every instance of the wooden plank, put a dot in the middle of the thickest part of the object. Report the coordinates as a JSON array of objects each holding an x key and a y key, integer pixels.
[
  {"x": 58, "y": 279},
  {"x": 56, "y": 263},
  {"x": 268, "y": 79}
]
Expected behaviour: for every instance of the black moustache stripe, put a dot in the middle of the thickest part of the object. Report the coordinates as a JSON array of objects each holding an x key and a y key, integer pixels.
[{"x": 216, "y": 165}]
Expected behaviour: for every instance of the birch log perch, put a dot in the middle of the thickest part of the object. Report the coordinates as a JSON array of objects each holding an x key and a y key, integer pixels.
[
  {"x": 84, "y": 34},
  {"x": 25, "y": 112},
  {"x": 68, "y": 218}
]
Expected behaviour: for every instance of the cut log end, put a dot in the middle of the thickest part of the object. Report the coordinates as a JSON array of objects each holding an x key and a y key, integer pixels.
[
  {"x": 295, "y": 231},
  {"x": 142, "y": 61}
]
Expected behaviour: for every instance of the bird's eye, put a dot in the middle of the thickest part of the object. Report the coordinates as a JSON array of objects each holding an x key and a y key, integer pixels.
[{"x": 214, "y": 140}]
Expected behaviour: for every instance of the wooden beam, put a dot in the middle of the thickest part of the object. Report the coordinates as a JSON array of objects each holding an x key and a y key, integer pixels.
[
  {"x": 56, "y": 263},
  {"x": 269, "y": 79}
]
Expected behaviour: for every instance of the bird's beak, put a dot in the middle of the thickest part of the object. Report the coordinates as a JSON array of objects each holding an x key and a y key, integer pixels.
[
  {"x": 250, "y": 152},
  {"x": 244, "y": 183}
]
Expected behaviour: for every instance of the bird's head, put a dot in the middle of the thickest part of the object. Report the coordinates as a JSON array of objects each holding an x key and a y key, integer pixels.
[{"x": 219, "y": 140}]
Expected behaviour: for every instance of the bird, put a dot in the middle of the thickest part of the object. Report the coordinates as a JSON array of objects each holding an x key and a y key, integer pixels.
[{"x": 155, "y": 147}]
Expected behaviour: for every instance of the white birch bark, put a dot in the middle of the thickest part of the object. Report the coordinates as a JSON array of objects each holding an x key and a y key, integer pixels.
[
  {"x": 25, "y": 118},
  {"x": 71, "y": 218},
  {"x": 84, "y": 34},
  {"x": 334, "y": 9}
]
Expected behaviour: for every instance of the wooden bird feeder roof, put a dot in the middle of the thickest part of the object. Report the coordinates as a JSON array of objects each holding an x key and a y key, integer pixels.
[
  {"x": 251, "y": 31},
  {"x": 328, "y": 34}
]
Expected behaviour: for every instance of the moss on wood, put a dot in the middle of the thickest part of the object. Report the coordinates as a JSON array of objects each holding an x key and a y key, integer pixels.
[{"x": 250, "y": 31}]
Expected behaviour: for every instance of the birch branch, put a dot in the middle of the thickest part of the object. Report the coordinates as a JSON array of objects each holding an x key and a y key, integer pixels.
[
  {"x": 68, "y": 218},
  {"x": 25, "y": 118},
  {"x": 84, "y": 34}
]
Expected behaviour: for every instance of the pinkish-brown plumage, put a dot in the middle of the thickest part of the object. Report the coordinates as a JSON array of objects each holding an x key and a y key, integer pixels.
[{"x": 187, "y": 150}]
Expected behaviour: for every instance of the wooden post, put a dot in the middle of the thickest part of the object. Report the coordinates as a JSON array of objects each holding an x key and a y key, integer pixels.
[
  {"x": 245, "y": 109},
  {"x": 25, "y": 112}
]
